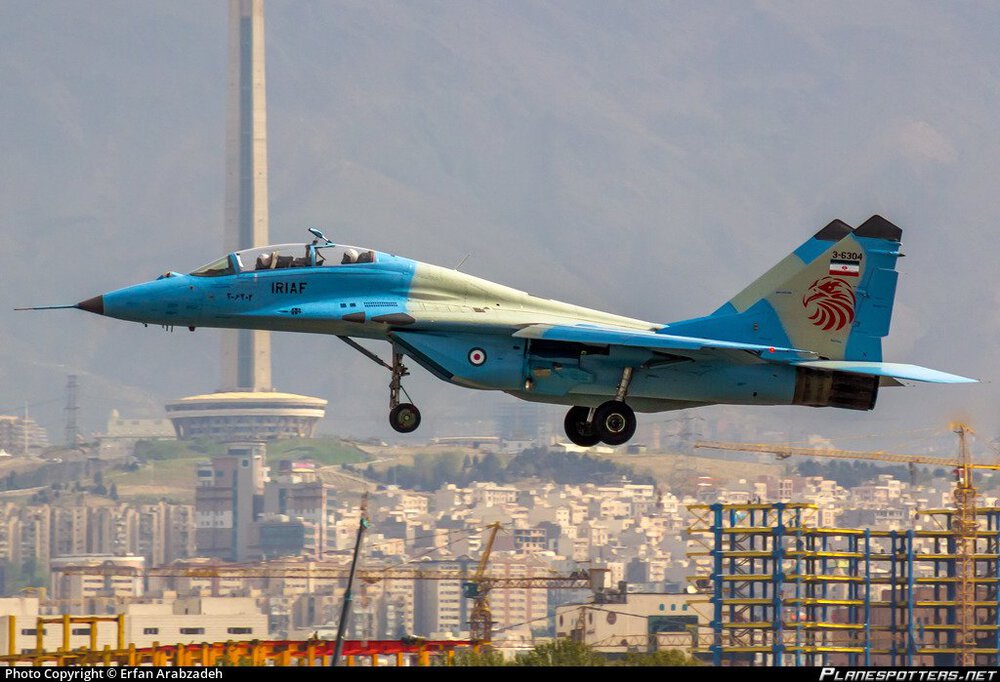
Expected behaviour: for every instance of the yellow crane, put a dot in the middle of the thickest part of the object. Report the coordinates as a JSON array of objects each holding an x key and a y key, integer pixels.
[
  {"x": 478, "y": 589},
  {"x": 963, "y": 522}
]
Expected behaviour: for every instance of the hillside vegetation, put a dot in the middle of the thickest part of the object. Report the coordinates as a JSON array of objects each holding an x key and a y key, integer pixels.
[{"x": 431, "y": 472}]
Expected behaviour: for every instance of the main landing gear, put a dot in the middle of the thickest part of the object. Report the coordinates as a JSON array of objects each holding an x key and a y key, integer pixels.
[
  {"x": 612, "y": 422},
  {"x": 403, "y": 417}
]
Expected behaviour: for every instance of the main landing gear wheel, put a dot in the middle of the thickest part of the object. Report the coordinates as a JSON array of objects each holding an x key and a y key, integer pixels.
[
  {"x": 578, "y": 429},
  {"x": 404, "y": 418},
  {"x": 614, "y": 422}
]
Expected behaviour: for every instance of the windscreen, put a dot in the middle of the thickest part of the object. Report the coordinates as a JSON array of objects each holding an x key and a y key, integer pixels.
[{"x": 216, "y": 268}]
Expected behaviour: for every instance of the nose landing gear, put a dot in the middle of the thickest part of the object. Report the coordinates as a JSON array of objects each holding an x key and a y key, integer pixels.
[{"x": 403, "y": 417}]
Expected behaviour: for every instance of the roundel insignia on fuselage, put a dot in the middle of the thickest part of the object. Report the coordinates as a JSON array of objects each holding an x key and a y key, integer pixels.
[{"x": 477, "y": 357}]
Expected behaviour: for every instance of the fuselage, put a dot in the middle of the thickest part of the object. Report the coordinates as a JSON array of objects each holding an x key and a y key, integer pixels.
[
  {"x": 368, "y": 300},
  {"x": 807, "y": 332},
  {"x": 445, "y": 320}
]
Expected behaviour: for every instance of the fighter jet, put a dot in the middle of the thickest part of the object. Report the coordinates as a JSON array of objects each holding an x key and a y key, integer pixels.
[{"x": 807, "y": 332}]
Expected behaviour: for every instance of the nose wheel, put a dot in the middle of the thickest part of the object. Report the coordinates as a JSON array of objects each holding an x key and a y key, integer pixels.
[{"x": 404, "y": 418}]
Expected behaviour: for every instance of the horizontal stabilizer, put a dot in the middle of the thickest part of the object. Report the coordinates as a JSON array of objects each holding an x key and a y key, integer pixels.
[
  {"x": 889, "y": 369},
  {"x": 633, "y": 338}
]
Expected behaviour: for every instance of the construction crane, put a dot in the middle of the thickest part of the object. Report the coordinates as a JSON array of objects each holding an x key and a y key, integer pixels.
[
  {"x": 479, "y": 586},
  {"x": 476, "y": 587},
  {"x": 963, "y": 521},
  {"x": 345, "y": 611}
]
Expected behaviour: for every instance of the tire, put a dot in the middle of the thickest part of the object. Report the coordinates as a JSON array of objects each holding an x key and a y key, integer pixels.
[
  {"x": 578, "y": 430},
  {"x": 614, "y": 422},
  {"x": 404, "y": 418}
]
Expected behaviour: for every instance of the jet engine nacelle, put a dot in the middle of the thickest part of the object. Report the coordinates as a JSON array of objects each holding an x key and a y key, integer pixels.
[{"x": 826, "y": 388}]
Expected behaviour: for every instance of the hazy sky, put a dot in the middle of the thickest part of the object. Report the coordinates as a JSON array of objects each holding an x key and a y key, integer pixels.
[{"x": 647, "y": 158}]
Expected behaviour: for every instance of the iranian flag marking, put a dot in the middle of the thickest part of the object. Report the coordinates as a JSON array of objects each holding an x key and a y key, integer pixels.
[{"x": 845, "y": 268}]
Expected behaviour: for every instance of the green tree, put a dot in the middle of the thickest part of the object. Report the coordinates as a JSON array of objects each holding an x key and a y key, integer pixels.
[
  {"x": 561, "y": 652},
  {"x": 490, "y": 468},
  {"x": 99, "y": 487}
]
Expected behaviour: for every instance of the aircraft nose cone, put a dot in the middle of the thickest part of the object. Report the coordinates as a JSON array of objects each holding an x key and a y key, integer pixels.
[{"x": 92, "y": 305}]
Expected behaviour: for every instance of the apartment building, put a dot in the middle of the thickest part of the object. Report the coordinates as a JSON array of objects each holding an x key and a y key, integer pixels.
[{"x": 180, "y": 621}]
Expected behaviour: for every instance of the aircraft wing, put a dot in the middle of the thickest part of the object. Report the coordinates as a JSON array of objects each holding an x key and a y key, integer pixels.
[
  {"x": 894, "y": 370},
  {"x": 634, "y": 338},
  {"x": 696, "y": 346}
]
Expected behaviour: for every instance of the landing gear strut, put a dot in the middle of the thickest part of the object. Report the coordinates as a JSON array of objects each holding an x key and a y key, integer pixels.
[
  {"x": 403, "y": 417},
  {"x": 613, "y": 422}
]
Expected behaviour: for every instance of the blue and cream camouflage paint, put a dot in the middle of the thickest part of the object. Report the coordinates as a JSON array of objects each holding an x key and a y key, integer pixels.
[{"x": 807, "y": 332}]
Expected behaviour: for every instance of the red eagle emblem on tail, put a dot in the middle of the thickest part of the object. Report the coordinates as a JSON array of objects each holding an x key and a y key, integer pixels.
[{"x": 831, "y": 301}]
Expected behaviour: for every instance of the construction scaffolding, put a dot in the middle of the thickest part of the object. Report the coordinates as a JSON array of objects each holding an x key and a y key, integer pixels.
[
  {"x": 785, "y": 591},
  {"x": 312, "y": 652}
]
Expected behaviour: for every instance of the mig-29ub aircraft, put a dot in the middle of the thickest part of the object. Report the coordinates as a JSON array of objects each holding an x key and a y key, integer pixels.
[{"x": 808, "y": 332}]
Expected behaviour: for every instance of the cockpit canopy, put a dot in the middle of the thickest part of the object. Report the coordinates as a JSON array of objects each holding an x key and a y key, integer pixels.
[{"x": 286, "y": 256}]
